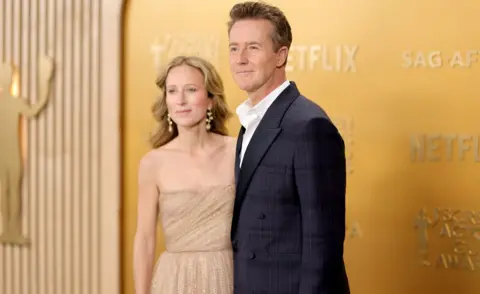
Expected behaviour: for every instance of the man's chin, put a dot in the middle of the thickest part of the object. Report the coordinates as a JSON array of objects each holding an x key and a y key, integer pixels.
[{"x": 249, "y": 88}]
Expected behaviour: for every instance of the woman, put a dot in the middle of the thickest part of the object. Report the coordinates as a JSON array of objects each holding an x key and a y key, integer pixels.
[{"x": 187, "y": 181}]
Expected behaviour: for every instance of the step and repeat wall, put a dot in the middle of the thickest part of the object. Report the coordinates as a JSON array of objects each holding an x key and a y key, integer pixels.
[{"x": 401, "y": 81}]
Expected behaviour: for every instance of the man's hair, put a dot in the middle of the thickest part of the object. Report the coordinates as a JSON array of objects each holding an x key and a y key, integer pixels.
[{"x": 282, "y": 34}]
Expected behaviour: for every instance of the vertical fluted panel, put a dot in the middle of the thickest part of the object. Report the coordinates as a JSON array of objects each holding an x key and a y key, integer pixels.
[{"x": 70, "y": 188}]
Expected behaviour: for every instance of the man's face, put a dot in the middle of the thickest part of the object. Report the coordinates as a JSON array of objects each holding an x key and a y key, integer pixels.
[{"x": 253, "y": 60}]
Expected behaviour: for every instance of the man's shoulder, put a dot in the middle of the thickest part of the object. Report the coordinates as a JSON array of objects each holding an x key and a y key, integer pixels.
[{"x": 303, "y": 111}]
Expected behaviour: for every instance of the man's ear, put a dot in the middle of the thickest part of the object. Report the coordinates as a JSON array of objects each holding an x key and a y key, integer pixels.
[{"x": 282, "y": 55}]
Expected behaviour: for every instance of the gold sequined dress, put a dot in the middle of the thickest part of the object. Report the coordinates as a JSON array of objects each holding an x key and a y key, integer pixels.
[{"x": 198, "y": 256}]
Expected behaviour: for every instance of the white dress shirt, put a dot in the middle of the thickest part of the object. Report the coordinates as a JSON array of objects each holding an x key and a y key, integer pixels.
[{"x": 250, "y": 116}]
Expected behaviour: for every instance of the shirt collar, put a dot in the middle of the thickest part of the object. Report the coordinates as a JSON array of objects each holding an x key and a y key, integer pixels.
[{"x": 247, "y": 113}]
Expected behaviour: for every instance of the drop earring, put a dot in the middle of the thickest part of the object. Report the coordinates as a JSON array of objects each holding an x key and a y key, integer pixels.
[
  {"x": 170, "y": 123},
  {"x": 209, "y": 119}
]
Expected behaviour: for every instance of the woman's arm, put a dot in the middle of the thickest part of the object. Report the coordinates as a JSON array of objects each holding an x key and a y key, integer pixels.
[{"x": 145, "y": 236}]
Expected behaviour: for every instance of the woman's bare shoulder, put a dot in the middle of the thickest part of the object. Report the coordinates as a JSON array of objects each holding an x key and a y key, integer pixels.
[
  {"x": 153, "y": 159},
  {"x": 148, "y": 160}
]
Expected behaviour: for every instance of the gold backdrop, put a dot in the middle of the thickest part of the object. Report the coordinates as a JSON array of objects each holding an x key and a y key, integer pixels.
[{"x": 401, "y": 81}]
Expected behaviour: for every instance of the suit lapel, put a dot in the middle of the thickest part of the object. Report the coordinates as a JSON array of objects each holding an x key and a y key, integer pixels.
[
  {"x": 261, "y": 141},
  {"x": 264, "y": 136}
]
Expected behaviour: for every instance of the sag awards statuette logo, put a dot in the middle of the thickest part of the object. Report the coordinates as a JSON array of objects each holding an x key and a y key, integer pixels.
[
  {"x": 12, "y": 110},
  {"x": 169, "y": 46},
  {"x": 437, "y": 59},
  {"x": 449, "y": 238}
]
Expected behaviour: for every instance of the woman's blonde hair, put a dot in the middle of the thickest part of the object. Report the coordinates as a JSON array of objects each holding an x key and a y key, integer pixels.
[{"x": 213, "y": 84}]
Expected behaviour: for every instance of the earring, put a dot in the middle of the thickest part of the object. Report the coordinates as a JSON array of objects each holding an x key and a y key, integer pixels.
[
  {"x": 170, "y": 123},
  {"x": 209, "y": 119}
]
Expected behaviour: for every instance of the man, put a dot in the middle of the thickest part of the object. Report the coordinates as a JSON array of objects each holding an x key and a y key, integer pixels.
[{"x": 288, "y": 226}]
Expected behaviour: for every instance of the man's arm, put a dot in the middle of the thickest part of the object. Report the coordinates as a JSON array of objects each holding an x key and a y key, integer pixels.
[{"x": 320, "y": 175}]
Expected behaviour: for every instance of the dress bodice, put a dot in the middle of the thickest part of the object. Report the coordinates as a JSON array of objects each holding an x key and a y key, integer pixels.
[{"x": 197, "y": 220}]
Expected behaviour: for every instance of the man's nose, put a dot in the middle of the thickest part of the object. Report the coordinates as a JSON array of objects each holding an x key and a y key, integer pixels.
[{"x": 242, "y": 57}]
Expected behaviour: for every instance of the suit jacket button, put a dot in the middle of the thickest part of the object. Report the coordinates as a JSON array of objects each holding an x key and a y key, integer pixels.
[
  {"x": 261, "y": 215},
  {"x": 251, "y": 255}
]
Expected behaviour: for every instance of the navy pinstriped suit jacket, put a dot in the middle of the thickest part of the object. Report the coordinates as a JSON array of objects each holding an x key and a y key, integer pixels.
[{"x": 288, "y": 226}]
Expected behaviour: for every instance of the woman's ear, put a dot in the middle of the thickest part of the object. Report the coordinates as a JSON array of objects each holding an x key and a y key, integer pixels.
[{"x": 211, "y": 101}]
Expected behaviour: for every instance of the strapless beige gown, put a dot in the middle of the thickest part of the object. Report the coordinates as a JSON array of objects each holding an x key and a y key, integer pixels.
[{"x": 198, "y": 257}]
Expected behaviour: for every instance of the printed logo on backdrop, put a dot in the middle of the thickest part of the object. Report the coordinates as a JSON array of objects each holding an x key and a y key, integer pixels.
[
  {"x": 353, "y": 230},
  {"x": 448, "y": 238},
  {"x": 345, "y": 127},
  {"x": 339, "y": 58},
  {"x": 165, "y": 48},
  {"x": 439, "y": 59},
  {"x": 438, "y": 147},
  {"x": 333, "y": 58}
]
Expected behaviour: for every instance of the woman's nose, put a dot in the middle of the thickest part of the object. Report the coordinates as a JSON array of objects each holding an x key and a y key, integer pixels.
[{"x": 181, "y": 99}]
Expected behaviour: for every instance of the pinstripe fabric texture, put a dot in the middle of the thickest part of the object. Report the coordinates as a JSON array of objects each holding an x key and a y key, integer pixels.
[{"x": 288, "y": 226}]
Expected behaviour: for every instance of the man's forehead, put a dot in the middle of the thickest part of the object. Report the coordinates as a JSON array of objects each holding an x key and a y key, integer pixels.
[
  {"x": 243, "y": 37},
  {"x": 253, "y": 26}
]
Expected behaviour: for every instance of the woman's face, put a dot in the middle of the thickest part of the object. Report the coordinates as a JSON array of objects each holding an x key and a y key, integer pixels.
[{"x": 186, "y": 97}]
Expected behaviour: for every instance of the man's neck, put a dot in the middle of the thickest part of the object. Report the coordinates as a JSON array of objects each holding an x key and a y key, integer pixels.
[{"x": 266, "y": 89}]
